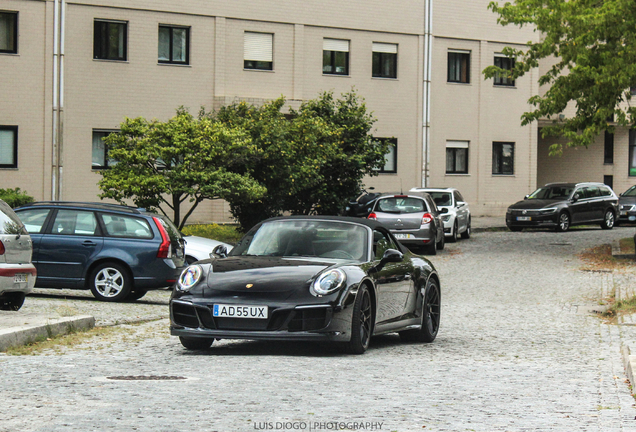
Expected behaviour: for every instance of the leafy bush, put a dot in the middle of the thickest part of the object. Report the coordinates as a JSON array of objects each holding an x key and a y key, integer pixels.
[
  {"x": 224, "y": 233},
  {"x": 15, "y": 197}
]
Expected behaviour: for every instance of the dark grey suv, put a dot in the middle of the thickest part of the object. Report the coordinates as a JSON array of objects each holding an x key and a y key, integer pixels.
[
  {"x": 561, "y": 205},
  {"x": 117, "y": 252}
]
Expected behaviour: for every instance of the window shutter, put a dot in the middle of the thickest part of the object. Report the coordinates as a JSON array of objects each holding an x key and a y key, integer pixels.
[
  {"x": 385, "y": 48},
  {"x": 456, "y": 144},
  {"x": 335, "y": 45},
  {"x": 258, "y": 46}
]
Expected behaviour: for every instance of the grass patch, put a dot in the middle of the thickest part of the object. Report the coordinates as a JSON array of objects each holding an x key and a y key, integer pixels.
[
  {"x": 600, "y": 258},
  {"x": 621, "y": 307},
  {"x": 627, "y": 245},
  {"x": 57, "y": 343},
  {"x": 223, "y": 233}
]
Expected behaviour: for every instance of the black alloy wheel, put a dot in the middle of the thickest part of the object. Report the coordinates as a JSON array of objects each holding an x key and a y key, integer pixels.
[
  {"x": 431, "y": 313},
  {"x": 563, "y": 223},
  {"x": 453, "y": 237},
  {"x": 12, "y": 301},
  {"x": 361, "y": 322},
  {"x": 609, "y": 220},
  {"x": 466, "y": 234},
  {"x": 196, "y": 343},
  {"x": 442, "y": 242}
]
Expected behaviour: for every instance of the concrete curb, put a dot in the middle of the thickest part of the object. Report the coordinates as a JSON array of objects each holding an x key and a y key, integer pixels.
[
  {"x": 629, "y": 361},
  {"x": 23, "y": 335}
]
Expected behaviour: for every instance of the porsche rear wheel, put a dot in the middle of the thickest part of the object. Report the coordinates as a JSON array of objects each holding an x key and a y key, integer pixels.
[
  {"x": 361, "y": 323},
  {"x": 431, "y": 308},
  {"x": 195, "y": 343}
]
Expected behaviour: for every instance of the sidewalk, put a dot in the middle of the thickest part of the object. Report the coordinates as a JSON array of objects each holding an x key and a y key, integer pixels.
[{"x": 487, "y": 223}]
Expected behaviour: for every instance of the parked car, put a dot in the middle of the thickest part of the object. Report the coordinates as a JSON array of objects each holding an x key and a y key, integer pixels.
[
  {"x": 319, "y": 278},
  {"x": 561, "y": 205},
  {"x": 413, "y": 219},
  {"x": 17, "y": 273},
  {"x": 117, "y": 252},
  {"x": 199, "y": 248},
  {"x": 457, "y": 218},
  {"x": 363, "y": 204},
  {"x": 627, "y": 206}
]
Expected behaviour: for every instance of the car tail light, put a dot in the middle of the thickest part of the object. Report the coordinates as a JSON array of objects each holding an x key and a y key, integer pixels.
[
  {"x": 372, "y": 216},
  {"x": 165, "y": 249},
  {"x": 427, "y": 218},
  {"x": 1, "y": 248}
]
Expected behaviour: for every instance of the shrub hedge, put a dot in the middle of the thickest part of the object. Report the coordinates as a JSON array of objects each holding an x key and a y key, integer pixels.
[{"x": 15, "y": 197}]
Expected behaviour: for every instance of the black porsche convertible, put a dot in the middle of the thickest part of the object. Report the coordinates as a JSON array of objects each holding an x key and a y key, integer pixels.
[{"x": 319, "y": 278}]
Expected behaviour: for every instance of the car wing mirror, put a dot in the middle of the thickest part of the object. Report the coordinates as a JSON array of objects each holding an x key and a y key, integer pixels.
[
  {"x": 526, "y": 197},
  {"x": 443, "y": 210},
  {"x": 219, "y": 251},
  {"x": 575, "y": 198},
  {"x": 460, "y": 204},
  {"x": 391, "y": 255}
]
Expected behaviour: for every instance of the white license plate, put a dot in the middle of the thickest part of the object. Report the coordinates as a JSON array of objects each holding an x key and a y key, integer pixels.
[
  {"x": 239, "y": 311},
  {"x": 403, "y": 236},
  {"x": 20, "y": 277},
  {"x": 524, "y": 218}
]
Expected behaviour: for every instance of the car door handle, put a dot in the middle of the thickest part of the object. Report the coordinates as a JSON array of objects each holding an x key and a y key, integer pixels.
[{"x": 89, "y": 243}]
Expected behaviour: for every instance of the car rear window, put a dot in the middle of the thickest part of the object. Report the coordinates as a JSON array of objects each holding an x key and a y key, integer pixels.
[
  {"x": 10, "y": 223},
  {"x": 442, "y": 198},
  {"x": 401, "y": 205},
  {"x": 126, "y": 226}
]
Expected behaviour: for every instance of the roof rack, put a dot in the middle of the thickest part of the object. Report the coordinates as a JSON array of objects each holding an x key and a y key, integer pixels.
[{"x": 99, "y": 205}]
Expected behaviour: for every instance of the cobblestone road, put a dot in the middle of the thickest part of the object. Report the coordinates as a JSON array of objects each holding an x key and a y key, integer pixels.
[{"x": 517, "y": 351}]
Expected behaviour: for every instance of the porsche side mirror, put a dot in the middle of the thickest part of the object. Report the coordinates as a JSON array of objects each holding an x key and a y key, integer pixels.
[
  {"x": 219, "y": 251},
  {"x": 392, "y": 255}
]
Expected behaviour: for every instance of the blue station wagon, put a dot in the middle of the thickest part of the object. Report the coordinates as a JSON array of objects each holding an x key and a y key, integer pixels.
[{"x": 117, "y": 252}]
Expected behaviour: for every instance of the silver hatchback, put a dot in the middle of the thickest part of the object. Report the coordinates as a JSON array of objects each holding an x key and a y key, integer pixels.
[
  {"x": 17, "y": 273},
  {"x": 414, "y": 220}
]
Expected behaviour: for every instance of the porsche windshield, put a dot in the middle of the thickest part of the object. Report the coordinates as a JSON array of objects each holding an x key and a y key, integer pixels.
[
  {"x": 306, "y": 238},
  {"x": 552, "y": 193}
]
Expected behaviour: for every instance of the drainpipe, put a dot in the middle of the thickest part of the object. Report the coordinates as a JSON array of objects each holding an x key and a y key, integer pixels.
[
  {"x": 58, "y": 98},
  {"x": 426, "y": 96}
]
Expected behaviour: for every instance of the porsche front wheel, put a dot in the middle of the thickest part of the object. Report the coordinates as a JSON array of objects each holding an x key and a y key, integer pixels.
[{"x": 361, "y": 323}]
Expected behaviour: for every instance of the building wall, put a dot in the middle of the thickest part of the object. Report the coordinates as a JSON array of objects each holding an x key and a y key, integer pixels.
[{"x": 100, "y": 94}]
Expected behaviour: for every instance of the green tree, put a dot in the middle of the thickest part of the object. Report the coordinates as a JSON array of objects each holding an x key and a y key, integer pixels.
[
  {"x": 311, "y": 160},
  {"x": 161, "y": 165},
  {"x": 594, "y": 44}
]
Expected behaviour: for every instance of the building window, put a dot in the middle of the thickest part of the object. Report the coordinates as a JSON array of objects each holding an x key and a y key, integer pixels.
[
  {"x": 8, "y": 146},
  {"x": 9, "y": 32},
  {"x": 390, "y": 159},
  {"x": 632, "y": 152},
  {"x": 384, "y": 60},
  {"x": 505, "y": 63},
  {"x": 609, "y": 148},
  {"x": 110, "y": 40},
  {"x": 456, "y": 157},
  {"x": 174, "y": 44},
  {"x": 609, "y": 181},
  {"x": 459, "y": 66},
  {"x": 503, "y": 158},
  {"x": 100, "y": 158},
  {"x": 258, "y": 51},
  {"x": 335, "y": 57}
]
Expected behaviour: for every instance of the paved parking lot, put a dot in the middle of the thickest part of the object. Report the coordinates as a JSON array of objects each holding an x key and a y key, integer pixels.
[{"x": 517, "y": 350}]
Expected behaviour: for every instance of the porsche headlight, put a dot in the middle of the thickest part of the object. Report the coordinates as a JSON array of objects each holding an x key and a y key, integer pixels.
[
  {"x": 189, "y": 277},
  {"x": 329, "y": 281}
]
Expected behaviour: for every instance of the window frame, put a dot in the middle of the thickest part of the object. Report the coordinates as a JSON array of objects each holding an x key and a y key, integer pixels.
[
  {"x": 99, "y": 43},
  {"x": 498, "y": 152},
  {"x": 381, "y": 55},
  {"x": 501, "y": 81},
  {"x": 15, "y": 146},
  {"x": 332, "y": 58},
  {"x": 106, "y": 159},
  {"x": 393, "y": 141},
  {"x": 263, "y": 65},
  {"x": 172, "y": 27},
  {"x": 608, "y": 149},
  {"x": 454, "y": 147},
  {"x": 14, "y": 50},
  {"x": 460, "y": 53}
]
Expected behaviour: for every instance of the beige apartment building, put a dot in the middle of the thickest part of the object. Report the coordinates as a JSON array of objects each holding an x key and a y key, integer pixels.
[{"x": 73, "y": 70}]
